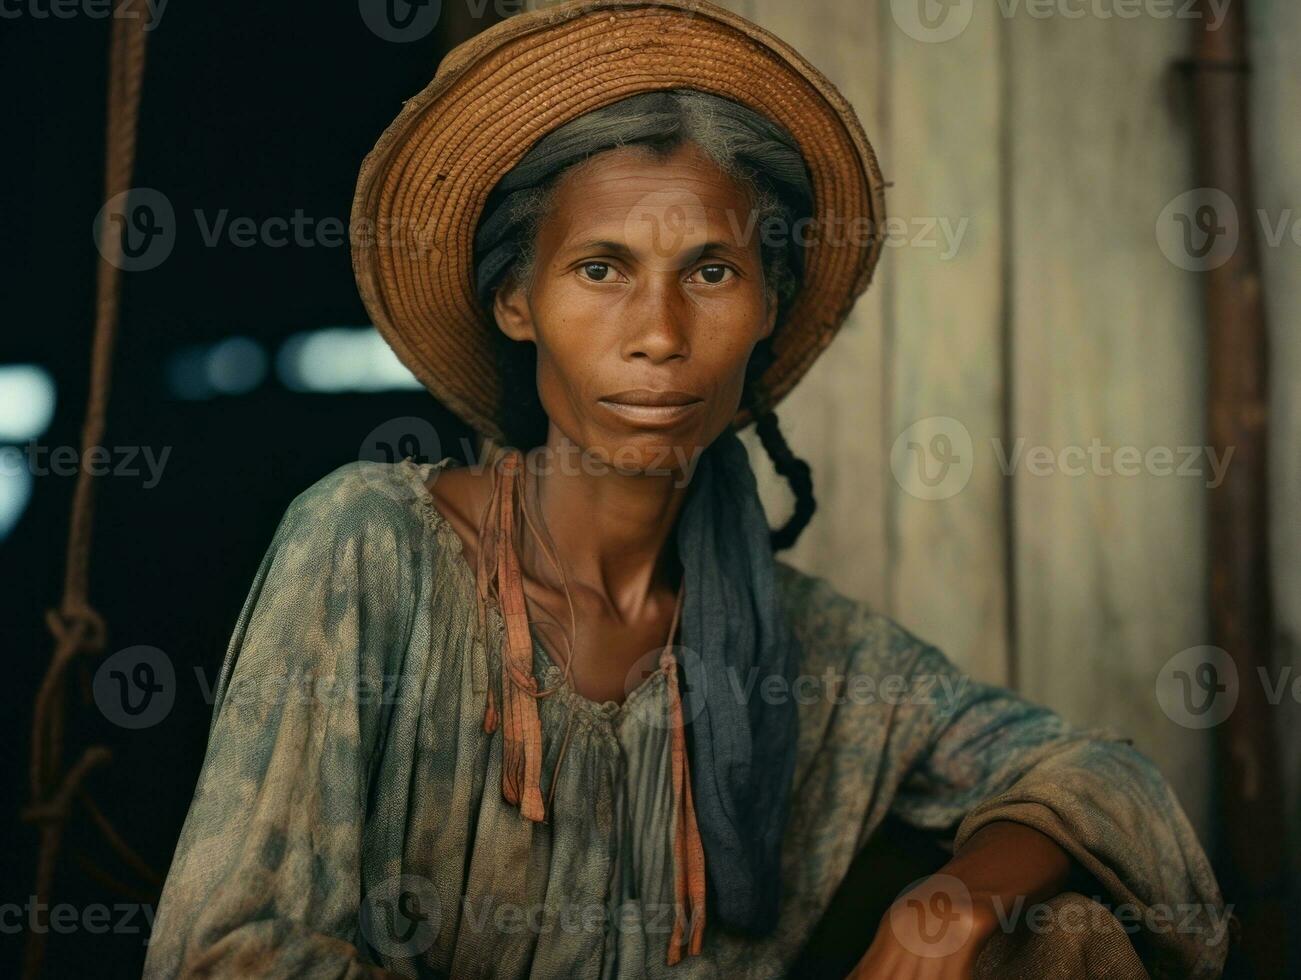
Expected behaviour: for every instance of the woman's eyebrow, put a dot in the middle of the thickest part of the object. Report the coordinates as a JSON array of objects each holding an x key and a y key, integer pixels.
[{"x": 599, "y": 245}]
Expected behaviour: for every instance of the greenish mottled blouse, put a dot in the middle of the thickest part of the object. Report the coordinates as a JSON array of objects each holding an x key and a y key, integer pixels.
[{"x": 348, "y": 819}]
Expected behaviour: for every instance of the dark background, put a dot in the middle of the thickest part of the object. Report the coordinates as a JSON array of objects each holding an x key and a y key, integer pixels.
[{"x": 262, "y": 109}]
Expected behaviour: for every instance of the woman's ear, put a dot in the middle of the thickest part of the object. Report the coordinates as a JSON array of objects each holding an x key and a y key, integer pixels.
[{"x": 510, "y": 306}]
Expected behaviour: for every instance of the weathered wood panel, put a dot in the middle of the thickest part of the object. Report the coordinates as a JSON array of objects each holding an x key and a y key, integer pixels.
[
  {"x": 1106, "y": 352},
  {"x": 946, "y": 521}
]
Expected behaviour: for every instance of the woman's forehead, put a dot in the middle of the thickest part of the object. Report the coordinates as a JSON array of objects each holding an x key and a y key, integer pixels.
[{"x": 630, "y": 198}]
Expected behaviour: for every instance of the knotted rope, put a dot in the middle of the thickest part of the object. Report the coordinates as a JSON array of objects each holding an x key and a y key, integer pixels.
[{"x": 77, "y": 628}]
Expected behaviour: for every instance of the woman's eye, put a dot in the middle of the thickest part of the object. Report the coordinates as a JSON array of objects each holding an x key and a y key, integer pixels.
[
  {"x": 598, "y": 271},
  {"x": 714, "y": 275}
]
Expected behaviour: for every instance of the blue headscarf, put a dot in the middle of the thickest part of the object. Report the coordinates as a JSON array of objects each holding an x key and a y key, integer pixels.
[{"x": 742, "y": 750}]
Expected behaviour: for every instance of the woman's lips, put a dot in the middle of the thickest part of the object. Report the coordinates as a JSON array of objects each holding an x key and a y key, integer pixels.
[{"x": 651, "y": 416}]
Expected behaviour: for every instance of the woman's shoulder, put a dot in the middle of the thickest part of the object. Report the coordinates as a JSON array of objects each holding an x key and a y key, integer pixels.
[
  {"x": 834, "y": 628},
  {"x": 363, "y": 520},
  {"x": 363, "y": 495}
]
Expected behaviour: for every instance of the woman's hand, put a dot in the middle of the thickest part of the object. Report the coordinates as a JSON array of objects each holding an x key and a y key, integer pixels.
[
  {"x": 937, "y": 928},
  {"x": 933, "y": 931}
]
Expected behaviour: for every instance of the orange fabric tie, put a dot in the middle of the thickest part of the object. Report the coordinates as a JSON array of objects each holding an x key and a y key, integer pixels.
[
  {"x": 521, "y": 759},
  {"x": 688, "y": 850}
]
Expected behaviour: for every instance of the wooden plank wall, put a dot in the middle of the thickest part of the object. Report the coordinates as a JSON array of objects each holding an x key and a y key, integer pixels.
[{"x": 1107, "y": 345}]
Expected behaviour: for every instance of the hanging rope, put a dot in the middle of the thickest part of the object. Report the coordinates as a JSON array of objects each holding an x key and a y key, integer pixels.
[{"x": 78, "y": 630}]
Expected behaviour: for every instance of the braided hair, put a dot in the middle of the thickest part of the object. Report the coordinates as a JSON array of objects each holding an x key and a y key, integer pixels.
[{"x": 747, "y": 146}]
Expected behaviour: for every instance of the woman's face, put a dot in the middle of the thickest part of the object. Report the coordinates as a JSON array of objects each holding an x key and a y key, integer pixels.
[{"x": 647, "y": 287}]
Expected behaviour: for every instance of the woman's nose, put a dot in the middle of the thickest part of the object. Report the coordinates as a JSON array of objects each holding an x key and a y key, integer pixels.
[{"x": 657, "y": 325}]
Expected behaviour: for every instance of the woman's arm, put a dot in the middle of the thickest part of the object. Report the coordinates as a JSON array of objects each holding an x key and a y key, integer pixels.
[
  {"x": 940, "y": 928},
  {"x": 267, "y": 875},
  {"x": 901, "y": 732},
  {"x": 1085, "y": 807}
]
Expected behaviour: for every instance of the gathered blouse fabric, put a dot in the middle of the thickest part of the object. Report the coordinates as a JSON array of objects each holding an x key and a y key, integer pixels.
[{"x": 349, "y": 822}]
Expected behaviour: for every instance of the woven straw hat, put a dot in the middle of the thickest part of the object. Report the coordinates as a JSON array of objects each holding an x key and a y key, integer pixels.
[{"x": 422, "y": 188}]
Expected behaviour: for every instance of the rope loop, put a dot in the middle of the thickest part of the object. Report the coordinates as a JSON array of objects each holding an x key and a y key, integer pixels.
[{"x": 77, "y": 625}]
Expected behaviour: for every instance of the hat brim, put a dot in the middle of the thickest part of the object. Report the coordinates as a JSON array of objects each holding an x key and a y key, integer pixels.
[{"x": 421, "y": 190}]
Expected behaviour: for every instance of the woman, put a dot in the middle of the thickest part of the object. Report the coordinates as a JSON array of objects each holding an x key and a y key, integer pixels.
[{"x": 564, "y": 714}]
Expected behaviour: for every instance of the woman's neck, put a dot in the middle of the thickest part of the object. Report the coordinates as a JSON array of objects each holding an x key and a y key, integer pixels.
[{"x": 611, "y": 531}]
